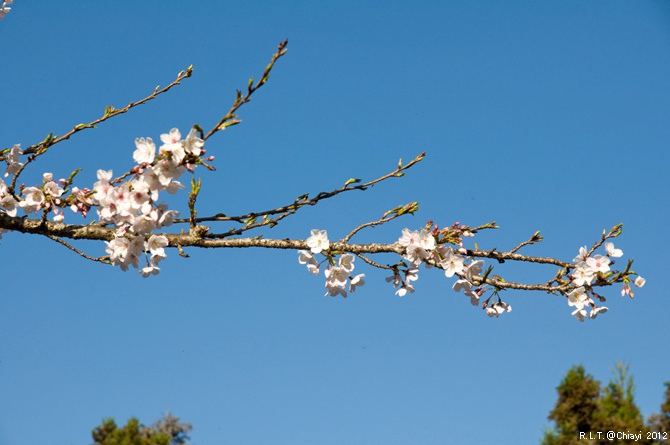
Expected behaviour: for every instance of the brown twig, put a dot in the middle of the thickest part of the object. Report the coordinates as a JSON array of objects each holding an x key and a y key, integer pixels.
[
  {"x": 250, "y": 219},
  {"x": 110, "y": 112},
  {"x": 77, "y": 251},
  {"x": 230, "y": 118}
]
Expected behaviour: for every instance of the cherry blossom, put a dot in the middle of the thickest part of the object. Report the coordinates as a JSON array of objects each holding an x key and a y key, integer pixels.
[
  {"x": 582, "y": 255},
  {"x": 149, "y": 270},
  {"x": 473, "y": 269},
  {"x": 412, "y": 274},
  {"x": 498, "y": 308},
  {"x": 193, "y": 144},
  {"x": 145, "y": 152},
  {"x": 408, "y": 238},
  {"x": 51, "y": 188},
  {"x": 123, "y": 252},
  {"x": 468, "y": 290},
  {"x": 611, "y": 251},
  {"x": 318, "y": 241},
  {"x": 172, "y": 148},
  {"x": 7, "y": 202},
  {"x": 155, "y": 244},
  {"x": 404, "y": 289},
  {"x": 306, "y": 257},
  {"x": 452, "y": 263},
  {"x": 346, "y": 262},
  {"x": 583, "y": 274},
  {"x": 595, "y": 310},
  {"x": 598, "y": 263},
  {"x": 13, "y": 164},
  {"x": 356, "y": 281},
  {"x": 34, "y": 199},
  {"x": 418, "y": 245},
  {"x": 579, "y": 313},
  {"x": 578, "y": 297},
  {"x": 336, "y": 276},
  {"x": 171, "y": 138},
  {"x": 395, "y": 278}
]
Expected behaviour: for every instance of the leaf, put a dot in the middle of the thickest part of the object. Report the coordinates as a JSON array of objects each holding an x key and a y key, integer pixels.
[{"x": 351, "y": 181}]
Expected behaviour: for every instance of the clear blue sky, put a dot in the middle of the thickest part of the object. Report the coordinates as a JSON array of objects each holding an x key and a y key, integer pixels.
[{"x": 540, "y": 115}]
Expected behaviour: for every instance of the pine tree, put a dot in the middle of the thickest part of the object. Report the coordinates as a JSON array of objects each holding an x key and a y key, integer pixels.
[
  {"x": 584, "y": 413},
  {"x": 659, "y": 424},
  {"x": 575, "y": 409},
  {"x": 618, "y": 411},
  {"x": 166, "y": 431}
]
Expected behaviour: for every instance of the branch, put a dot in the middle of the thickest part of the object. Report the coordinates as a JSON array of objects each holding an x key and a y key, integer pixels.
[
  {"x": 250, "y": 219},
  {"x": 230, "y": 118},
  {"x": 131, "y": 220},
  {"x": 110, "y": 112},
  {"x": 103, "y": 260}
]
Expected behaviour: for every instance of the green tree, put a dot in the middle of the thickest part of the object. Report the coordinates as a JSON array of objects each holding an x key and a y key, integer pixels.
[
  {"x": 584, "y": 412},
  {"x": 575, "y": 409},
  {"x": 618, "y": 411},
  {"x": 660, "y": 422},
  {"x": 165, "y": 431}
]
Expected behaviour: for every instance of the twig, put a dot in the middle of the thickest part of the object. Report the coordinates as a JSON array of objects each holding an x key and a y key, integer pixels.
[
  {"x": 371, "y": 224},
  {"x": 536, "y": 238},
  {"x": 372, "y": 263},
  {"x": 250, "y": 218},
  {"x": 230, "y": 118},
  {"x": 110, "y": 112},
  {"x": 613, "y": 233},
  {"x": 77, "y": 251}
]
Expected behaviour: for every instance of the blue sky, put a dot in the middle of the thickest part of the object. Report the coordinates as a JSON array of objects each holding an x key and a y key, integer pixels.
[{"x": 541, "y": 115}]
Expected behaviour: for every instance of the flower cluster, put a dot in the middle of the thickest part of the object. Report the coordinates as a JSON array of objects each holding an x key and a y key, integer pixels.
[
  {"x": 590, "y": 268},
  {"x": 4, "y": 8},
  {"x": 132, "y": 206},
  {"x": 428, "y": 246},
  {"x": 45, "y": 197},
  {"x": 424, "y": 246},
  {"x": 579, "y": 299},
  {"x": 338, "y": 275}
]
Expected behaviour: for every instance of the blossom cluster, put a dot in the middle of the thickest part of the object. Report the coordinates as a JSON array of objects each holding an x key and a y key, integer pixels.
[
  {"x": 588, "y": 269},
  {"x": 422, "y": 246},
  {"x": 338, "y": 275},
  {"x": 4, "y": 8},
  {"x": 132, "y": 206},
  {"x": 47, "y": 196},
  {"x": 430, "y": 246}
]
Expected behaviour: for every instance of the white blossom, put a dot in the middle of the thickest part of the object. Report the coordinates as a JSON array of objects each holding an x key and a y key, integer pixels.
[
  {"x": 452, "y": 263},
  {"x": 599, "y": 263},
  {"x": 318, "y": 241},
  {"x": 145, "y": 151},
  {"x": 612, "y": 252}
]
